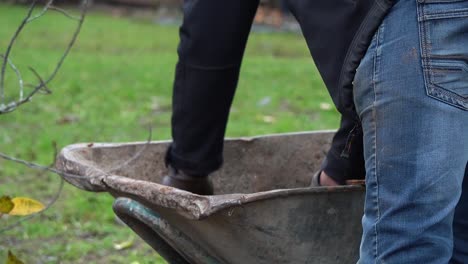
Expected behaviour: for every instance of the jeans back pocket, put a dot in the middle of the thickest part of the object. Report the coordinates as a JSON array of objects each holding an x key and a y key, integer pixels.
[{"x": 443, "y": 28}]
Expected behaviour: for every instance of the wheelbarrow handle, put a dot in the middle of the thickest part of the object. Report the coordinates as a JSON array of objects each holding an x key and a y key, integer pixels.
[{"x": 159, "y": 234}]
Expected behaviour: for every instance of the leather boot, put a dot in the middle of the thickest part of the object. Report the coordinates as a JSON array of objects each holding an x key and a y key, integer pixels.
[{"x": 201, "y": 185}]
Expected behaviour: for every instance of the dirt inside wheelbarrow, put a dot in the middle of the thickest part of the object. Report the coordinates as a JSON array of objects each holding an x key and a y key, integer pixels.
[{"x": 251, "y": 165}]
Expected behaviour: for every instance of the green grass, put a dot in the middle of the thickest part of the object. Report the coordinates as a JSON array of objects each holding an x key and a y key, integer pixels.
[{"x": 115, "y": 84}]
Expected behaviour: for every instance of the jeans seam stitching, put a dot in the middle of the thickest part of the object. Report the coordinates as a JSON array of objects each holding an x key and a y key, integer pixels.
[
  {"x": 449, "y": 63},
  {"x": 374, "y": 165},
  {"x": 449, "y": 93},
  {"x": 456, "y": 13},
  {"x": 449, "y": 97},
  {"x": 432, "y": 90},
  {"x": 424, "y": 48}
]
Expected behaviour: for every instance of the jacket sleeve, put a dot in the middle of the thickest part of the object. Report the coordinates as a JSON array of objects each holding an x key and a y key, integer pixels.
[{"x": 338, "y": 33}]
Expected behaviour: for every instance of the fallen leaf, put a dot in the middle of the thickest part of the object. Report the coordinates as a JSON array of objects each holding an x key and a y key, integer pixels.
[
  {"x": 25, "y": 206},
  {"x": 268, "y": 119},
  {"x": 264, "y": 101},
  {"x": 68, "y": 119},
  {"x": 6, "y": 205},
  {"x": 326, "y": 106},
  {"x": 12, "y": 259},
  {"x": 124, "y": 245}
]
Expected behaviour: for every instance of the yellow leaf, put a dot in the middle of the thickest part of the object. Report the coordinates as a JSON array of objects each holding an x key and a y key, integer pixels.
[
  {"x": 326, "y": 106},
  {"x": 12, "y": 259},
  {"x": 124, "y": 245},
  {"x": 25, "y": 206},
  {"x": 6, "y": 205},
  {"x": 267, "y": 119}
]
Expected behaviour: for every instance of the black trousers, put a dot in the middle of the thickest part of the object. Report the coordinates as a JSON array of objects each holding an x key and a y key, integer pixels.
[{"x": 213, "y": 37}]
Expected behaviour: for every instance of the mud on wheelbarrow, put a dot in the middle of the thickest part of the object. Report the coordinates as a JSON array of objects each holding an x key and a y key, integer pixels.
[{"x": 263, "y": 210}]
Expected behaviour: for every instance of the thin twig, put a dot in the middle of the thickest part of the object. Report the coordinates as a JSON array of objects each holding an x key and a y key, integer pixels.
[
  {"x": 18, "y": 75},
  {"x": 63, "y": 175},
  {"x": 7, "y": 53},
  {"x": 36, "y": 166},
  {"x": 49, "y": 205},
  {"x": 42, "y": 85},
  {"x": 135, "y": 156},
  {"x": 44, "y": 10},
  {"x": 72, "y": 42},
  {"x": 29, "y": 217},
  {"x": 31, "y": 165},
  {"x": 9, "y": 107},
  {"x": 13, "y": 105},
  {"x": 64, "y": 12}
]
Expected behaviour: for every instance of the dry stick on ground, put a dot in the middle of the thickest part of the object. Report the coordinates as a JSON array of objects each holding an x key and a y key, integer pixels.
[{"x": 6, "y": 107}]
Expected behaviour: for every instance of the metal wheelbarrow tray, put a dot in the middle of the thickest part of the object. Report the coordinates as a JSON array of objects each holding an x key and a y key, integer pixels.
[{"x": 263, "y": 210}]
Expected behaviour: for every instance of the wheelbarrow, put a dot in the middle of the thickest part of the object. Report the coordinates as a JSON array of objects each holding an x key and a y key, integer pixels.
[{"x": 263, "y": 209}]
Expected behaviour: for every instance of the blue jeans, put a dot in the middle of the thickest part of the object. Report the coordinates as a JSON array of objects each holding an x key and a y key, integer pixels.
[{"x": 411, "y": 93}]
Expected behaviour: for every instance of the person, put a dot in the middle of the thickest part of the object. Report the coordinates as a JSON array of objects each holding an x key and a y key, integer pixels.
[
  {"x": 396, "y": 69},
  {"x": 220, "y": 45},
  {"x": 411, "y": 94}
]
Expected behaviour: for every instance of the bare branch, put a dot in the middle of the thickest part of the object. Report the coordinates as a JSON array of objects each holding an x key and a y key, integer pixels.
[
  {"x": 31, "y": 165},
  {"x": 47, "y": 207},
  {"x": 50, "y": 168},
  {"x": 13, "y": 105},
  {"x": 44, "y": 10},
  {"x": 42, "y": 86},
  {"x": 36, "y": 166},
  {"x": 51, "y": 202},
  {"x": 7, "y": 53},
  {"x": 18, "y": 75},
  {"x": 136, "y": 156},
  {"x": 84, "y": 9},
  {"x": 6, "y": 107},
  {"x": 64, "y": 12}
]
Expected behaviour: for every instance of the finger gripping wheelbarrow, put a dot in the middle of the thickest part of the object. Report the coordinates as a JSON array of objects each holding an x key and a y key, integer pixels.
[{"x": 263, "y": 210}]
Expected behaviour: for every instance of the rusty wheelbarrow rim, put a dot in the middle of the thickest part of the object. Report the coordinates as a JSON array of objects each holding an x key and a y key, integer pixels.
[{"x": 187, "y": 204}]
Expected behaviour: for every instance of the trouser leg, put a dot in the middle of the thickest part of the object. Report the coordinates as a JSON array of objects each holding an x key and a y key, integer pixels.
[
  {"x": 213, "y": 37},
  {"x": 460, "y": 226},
  {"x": 415, "y": 141}
]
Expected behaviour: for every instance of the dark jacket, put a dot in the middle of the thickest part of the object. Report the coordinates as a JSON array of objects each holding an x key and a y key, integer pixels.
[
  {"x": 212, "y": 42},
  {"x": 338, "y": 33}
]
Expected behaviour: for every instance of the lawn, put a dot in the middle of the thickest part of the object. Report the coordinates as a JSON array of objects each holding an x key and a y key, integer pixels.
[{"x": 116, "y": 84}]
